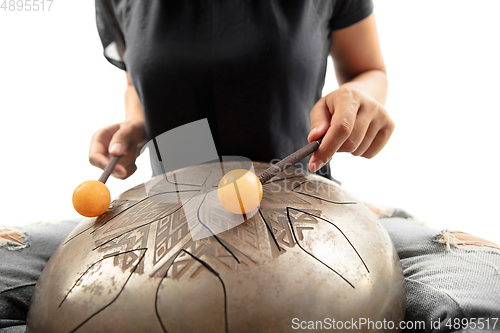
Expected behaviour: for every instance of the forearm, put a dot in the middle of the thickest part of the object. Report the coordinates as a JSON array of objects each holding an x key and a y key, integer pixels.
[
  {"x": 358, "y": 61},
  {"x": 133, "y": 107},
  {"x": 372, "y": 82},
  {"x": 352, "y": 118}
]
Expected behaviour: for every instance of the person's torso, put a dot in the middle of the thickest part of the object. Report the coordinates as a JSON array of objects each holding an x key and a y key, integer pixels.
[{"x": 253, "y": 68}]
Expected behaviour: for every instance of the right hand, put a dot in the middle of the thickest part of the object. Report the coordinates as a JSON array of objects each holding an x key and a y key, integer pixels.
[{"x": 126, "y": 138}]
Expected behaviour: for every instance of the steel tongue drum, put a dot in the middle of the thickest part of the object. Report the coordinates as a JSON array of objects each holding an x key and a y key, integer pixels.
[{"x": 170, "y": 258}]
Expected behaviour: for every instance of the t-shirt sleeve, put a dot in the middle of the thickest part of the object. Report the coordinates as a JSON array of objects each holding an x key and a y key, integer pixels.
[
  {"x": 110, "y": 33},
  {"x": 348, "y": 12}
]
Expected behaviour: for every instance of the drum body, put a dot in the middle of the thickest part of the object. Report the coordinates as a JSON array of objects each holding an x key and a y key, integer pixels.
[{"x": 310, "y": 255}]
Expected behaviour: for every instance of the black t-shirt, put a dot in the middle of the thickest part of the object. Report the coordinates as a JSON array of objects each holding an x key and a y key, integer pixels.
[{"x": 254, "y": 69}]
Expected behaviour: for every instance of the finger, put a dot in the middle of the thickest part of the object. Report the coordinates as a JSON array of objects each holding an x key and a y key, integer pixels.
[
  {"x": 371, "y": 132},
  {"x": 341, "y": 126},
  {"x": 379, "y": 142},
  {"x": 98, "y": 160},
  {"x": 120, "y": 171},
  {"x": 316, "y": 162},
  {"x": 320, "y": 120},
  {"x": 124, "y": 172},
  {"x": 128, "y": 136},
  {"x": 363, "y": 119},
  {"x": 121, "y": 145},
  {"x": 126, "y": 165},
  {"x": 120, "y": 141},
  {"x": 98, "y": 150}
]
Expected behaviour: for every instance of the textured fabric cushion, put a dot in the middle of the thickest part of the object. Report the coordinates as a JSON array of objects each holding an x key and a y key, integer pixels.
[
  {"x": 20, "y": 267},
  {"x": 446, "y": 284}
]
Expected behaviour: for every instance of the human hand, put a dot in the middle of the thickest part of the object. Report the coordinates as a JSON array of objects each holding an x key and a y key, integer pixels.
[
  {"x": 126, "y": 138},
  {"x": 350, "y": 121}
]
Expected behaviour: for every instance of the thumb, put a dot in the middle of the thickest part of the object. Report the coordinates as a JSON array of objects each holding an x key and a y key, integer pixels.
[
  {"x": 320, "y": 120},
  {"x": 119, "y": 142}
]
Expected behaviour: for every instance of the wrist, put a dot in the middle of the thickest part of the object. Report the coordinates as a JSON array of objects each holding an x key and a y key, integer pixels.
[
  {"x": 372, "y": 83},
  {"x": 136, "y": 121}
]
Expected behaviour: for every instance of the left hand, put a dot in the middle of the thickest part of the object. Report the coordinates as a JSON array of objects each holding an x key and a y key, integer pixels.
[{"x": 350, "y": 121}]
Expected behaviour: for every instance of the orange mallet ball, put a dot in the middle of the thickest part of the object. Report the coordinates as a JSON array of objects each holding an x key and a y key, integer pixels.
[
  {"x": 240, "y": 191},
  {"x": 91, "y": 198}
]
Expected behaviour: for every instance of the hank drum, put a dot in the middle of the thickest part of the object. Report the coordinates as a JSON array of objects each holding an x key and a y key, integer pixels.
[{"x": 167, "y": 257}]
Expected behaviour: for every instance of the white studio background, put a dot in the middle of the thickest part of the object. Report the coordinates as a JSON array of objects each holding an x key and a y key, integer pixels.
[{"x": 442, "y": 57}]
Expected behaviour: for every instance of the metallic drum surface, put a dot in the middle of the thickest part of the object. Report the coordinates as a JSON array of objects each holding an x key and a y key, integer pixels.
[{"x": 311, "y": 252}]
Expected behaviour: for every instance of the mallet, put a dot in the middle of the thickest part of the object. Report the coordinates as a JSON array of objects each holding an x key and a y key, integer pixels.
[
  {"x": 92, "y": 198},
  {"x": 246, "y": 193}
]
